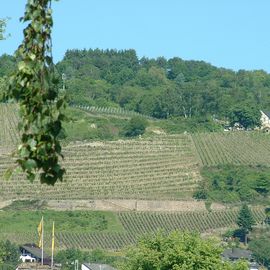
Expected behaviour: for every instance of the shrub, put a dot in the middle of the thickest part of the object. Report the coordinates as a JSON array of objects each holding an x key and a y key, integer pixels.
[{"x": 136, "y": 126}]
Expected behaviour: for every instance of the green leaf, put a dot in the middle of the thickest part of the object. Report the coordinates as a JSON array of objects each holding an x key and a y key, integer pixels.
[
  {"x": 32, "y": 56},
  {"x": 32, "y": 144},
  {"x": 59, "y": 103},
  {"x": 24, "y": 152},
  {"x": 8, "y": 173},
  {"x": 21, "y": 65},
  {"x": 31, "y": 177},
  {"x": 30, "y": 164}
]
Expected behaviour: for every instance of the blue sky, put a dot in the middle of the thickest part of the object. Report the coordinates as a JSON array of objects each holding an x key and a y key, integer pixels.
[{"x": 227, "y": 33}]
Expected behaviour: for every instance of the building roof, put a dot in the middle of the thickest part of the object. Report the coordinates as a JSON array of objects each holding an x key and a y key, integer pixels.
[
  {"x": 254, "y": 266},
  {"x": 36, "y": 252},
  {"x": 32, "y": 266},
  {"x": 266, "y": 113},
  {"x": 237, "y": 253},
  {"x": 96, "y": 266}
]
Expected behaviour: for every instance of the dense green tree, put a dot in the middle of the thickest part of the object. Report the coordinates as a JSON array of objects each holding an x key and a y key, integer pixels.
[
  {"x": 7, "y": 65},
  {"x": 3, "y": 84},
  {"x": 261, "y": 250},
  {"x": 267, "y": 214},
  {"x": 9, "y": 253},
  {"x": 246, "y": 115},
  {"x": 135, "y": 127},
  {"x": 245, "y": 220},
  {"x": 262, "y": 185},
  {"x": 189, "y": 89},
  {"x": 178, "y": 251},
  {"x": 67, "y": 257},
  {"x": 231, "y": 183},
  {"x": 128, "y": 97},
  {"x": 181, "y": 88}
]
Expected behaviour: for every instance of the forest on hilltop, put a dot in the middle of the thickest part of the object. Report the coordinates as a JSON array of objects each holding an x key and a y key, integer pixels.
[{"x": 156, "y": 87}]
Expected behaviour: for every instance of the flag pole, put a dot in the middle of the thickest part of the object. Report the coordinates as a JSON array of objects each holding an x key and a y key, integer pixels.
[
  {"x": 52, "y": 244},
  {"x": 42, "y": 232}
]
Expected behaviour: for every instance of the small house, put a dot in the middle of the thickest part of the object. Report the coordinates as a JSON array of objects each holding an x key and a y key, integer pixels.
[
  {"x": 32, "y": 253},
  {"x": 234, "y": 254},
  {"x": 265, "y": 121}
]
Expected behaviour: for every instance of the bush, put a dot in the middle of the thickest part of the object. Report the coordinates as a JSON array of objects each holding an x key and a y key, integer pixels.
[
  {"x": 200, "y": 194},
  {"x": 232, "y": 183},
  {"x": 135, "y": 127},
  {"x": 261, "y": 250},
  {"x": 9, "y": 253}
]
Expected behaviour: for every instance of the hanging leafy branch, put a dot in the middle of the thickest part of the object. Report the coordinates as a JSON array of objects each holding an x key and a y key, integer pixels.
[
  {"x": 34, "y": 86},
  {"x": 2, "y": 28}
]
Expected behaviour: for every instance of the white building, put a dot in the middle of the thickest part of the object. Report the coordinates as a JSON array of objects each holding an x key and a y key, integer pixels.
[{"x": 265, "y": 120}]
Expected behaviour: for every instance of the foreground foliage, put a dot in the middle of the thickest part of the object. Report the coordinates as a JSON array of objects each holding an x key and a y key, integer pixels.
[
  {"x": 2, "y": 28},
  {"x": 34, "y": 86},
  {"x": 9, "y": 254},
  {"x": 178, "y": 251}
]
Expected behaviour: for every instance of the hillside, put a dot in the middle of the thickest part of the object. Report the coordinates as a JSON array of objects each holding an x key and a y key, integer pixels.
[
  {"x": 165, "y": 168},
  {"x": 157, "y": 167},
  {"x": 162, "y": 167},
  {"x": 161, "y": 88},
  {"x": 113, "y": 231}
]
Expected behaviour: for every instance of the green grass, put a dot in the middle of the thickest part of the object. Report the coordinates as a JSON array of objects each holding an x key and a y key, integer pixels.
[
  {"x": 65, "y": 221},
  {"x": 84, "y": 126},
  {"x": 26, "y": 205}
]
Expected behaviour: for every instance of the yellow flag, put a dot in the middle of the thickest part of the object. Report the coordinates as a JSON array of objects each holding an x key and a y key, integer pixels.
[
  {"x": 53, "y": 237},
  {"x": 40, "y": 229}
]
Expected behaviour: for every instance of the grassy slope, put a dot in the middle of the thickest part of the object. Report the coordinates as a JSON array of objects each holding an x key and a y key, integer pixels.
[
  {"x": 108, "y": 230},
  {"x": 154, "y": 167},
  {"x": 66, "y": 221},
  {"x": 87, "y": 125}
]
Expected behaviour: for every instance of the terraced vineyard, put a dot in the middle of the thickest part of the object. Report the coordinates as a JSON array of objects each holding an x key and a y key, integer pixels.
[
  {"x": 8, "y": 124},
  {"x": 162, "y": 167},
  {"x": 136, "y": 224},
  {"x": 238, "y": 148},
  {"x": 139, "y": 223},
  {"x": 120, "y": 112}
]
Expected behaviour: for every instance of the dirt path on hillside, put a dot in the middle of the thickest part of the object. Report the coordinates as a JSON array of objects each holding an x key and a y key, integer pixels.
[{"x": 126, "y": 205}]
